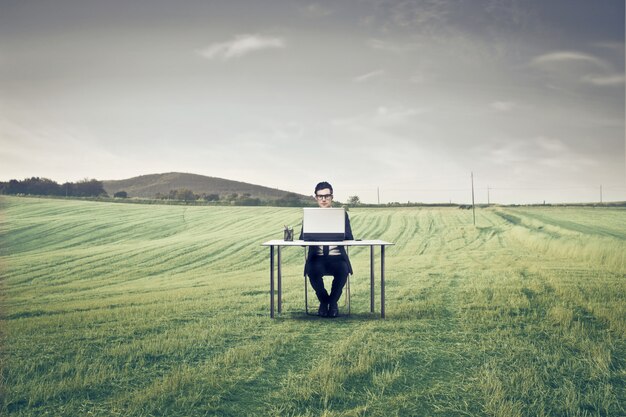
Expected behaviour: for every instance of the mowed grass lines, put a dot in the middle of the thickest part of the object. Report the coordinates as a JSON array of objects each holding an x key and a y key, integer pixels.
[{"x": 114, "y": 309}]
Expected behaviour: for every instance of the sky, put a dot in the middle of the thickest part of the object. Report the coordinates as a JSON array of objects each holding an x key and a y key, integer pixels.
[{"x": 387, "y": 100}]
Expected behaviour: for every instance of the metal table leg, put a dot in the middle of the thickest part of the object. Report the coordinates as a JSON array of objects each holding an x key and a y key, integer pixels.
[
  {"x": 272, "y": 281},
  {"x": 382, "y": 281},
  {"x": 371, "y": 279},
  {"x": 280, "y": 285},
  {"x": 306, "y": 288}
]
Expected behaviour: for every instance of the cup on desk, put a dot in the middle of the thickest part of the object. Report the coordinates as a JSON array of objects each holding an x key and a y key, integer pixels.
[{"x": 288, "y": 234}]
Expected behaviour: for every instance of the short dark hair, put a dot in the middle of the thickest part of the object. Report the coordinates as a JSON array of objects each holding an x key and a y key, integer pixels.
[{"x": 322, "y": 185}]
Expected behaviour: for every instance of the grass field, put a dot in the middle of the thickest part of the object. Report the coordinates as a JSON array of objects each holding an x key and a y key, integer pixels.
[{"x": 132, "y": 310}]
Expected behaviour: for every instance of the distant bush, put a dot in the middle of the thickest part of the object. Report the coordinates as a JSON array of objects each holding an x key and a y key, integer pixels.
[
  {"x": 211, "y": 197},
  {"x": 249, "y": 201},
  {"x": 45, "y": 186},
  {"x": 121, "y": 194},
  {"x": 181, "y": 194},
  {"x": 289, "y": 200},
  {"x": 186, "y": 195},
  {"x": 89, "y": 188}
]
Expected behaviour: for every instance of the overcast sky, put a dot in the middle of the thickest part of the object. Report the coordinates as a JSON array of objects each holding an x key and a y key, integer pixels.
[{"x": 408, "y": 96}]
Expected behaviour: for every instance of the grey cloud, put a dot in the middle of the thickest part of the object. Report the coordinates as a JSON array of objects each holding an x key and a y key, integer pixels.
[
  {"x": 381, "y": 118},
  {"x": 570, "y": 163},
  {"x": 316, "y": 10},
  {"x": 531, "y": 153},
  {"x": 550, "y": 144},
  {"x": 368, "y": 76},
  {"x": 502, "y": 105},
  {"x": 414, "y": 13},
  {"x": 395, "y": 115},
  {"x": 240, "y": 46},
  {"x": 513, "y": 11},
  {"x": 608, "y": 80},
  {"x": 417, "y": 78},
  {"x": 395, "y": 47},
  {"x": 578, "y": 67},
  {"x": 566, "y": 57}
]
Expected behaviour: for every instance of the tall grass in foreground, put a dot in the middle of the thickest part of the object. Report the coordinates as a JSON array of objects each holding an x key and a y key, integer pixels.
[{"x": 112, "y": 309}]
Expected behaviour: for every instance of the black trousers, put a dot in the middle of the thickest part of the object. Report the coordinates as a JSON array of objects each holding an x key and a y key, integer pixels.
[{"x": 328, "y": 265}]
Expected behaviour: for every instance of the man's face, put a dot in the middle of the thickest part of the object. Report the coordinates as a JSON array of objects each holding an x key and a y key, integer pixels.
[{"x": 324, "y": 197}]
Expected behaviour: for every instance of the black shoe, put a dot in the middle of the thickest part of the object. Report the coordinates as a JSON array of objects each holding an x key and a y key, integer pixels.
[
  {"x": 323, "y": 310},
  {"x": 333, "y": 310}
]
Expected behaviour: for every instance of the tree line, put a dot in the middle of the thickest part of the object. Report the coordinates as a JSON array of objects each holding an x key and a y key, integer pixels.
[
  {"x": 245, "y": 199},
  {"x": 95, "y": 188},
  {"x": 45, "y": 186}
]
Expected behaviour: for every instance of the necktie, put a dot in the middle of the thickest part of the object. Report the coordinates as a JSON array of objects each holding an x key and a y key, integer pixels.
[{"x": 325, "y": 250}]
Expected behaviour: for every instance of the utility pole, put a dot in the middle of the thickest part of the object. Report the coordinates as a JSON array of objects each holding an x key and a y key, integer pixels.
[
  {"x": 488, "y": 196},
  {"x": 378, "y": 193},
  {"x": 473, "y": 208},
  {"x": 600, "y": 193}
]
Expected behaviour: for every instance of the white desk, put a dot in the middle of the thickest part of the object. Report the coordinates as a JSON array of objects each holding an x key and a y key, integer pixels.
[{"x": 371, "y": 243}]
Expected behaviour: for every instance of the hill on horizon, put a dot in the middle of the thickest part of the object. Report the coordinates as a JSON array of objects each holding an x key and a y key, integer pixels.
[{"x": 147, "y": 186}]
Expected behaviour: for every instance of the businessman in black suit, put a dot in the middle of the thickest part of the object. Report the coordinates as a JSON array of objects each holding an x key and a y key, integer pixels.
[{"x": 328, "y": 260}]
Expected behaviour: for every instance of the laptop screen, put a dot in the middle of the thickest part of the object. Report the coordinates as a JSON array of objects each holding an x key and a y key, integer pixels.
[{"x": 323, "y": 224}]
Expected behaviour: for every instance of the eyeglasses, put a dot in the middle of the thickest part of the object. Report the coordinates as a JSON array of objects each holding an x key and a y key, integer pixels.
[{"x": 324, "y": 196}]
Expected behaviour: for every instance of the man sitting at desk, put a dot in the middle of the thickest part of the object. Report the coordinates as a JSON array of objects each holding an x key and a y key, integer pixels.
[{"x": 328, "y": 260}]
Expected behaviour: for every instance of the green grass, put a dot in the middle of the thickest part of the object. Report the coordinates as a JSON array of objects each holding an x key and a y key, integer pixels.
[{"x": 132, "y": 310}]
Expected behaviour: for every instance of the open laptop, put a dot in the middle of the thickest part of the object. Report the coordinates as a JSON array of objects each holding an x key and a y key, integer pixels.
[{"x": 324, "y": 224}]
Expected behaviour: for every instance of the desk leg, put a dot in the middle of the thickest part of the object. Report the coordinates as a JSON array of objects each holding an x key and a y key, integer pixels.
[
  {"x": 371, "y": 279},
  {"x": 272, "y": 281},
  {"x": 280, "y": 285},
  {"x": 382, "y": 281},
  {"x": 306, "y": 288}
]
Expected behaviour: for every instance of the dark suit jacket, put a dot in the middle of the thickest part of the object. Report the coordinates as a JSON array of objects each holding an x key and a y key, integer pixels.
[{"x": 312, "y": 253}]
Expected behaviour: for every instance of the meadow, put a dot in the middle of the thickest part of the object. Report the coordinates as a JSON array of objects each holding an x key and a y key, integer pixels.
[{"x": 132, "y": 310}]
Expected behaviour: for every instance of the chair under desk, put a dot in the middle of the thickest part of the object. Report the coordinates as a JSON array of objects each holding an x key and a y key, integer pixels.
[{"x": 276, "y": 245}]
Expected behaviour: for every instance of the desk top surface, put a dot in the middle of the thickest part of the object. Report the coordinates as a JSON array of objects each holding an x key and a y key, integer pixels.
[{"x": 340, "y": 243}]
